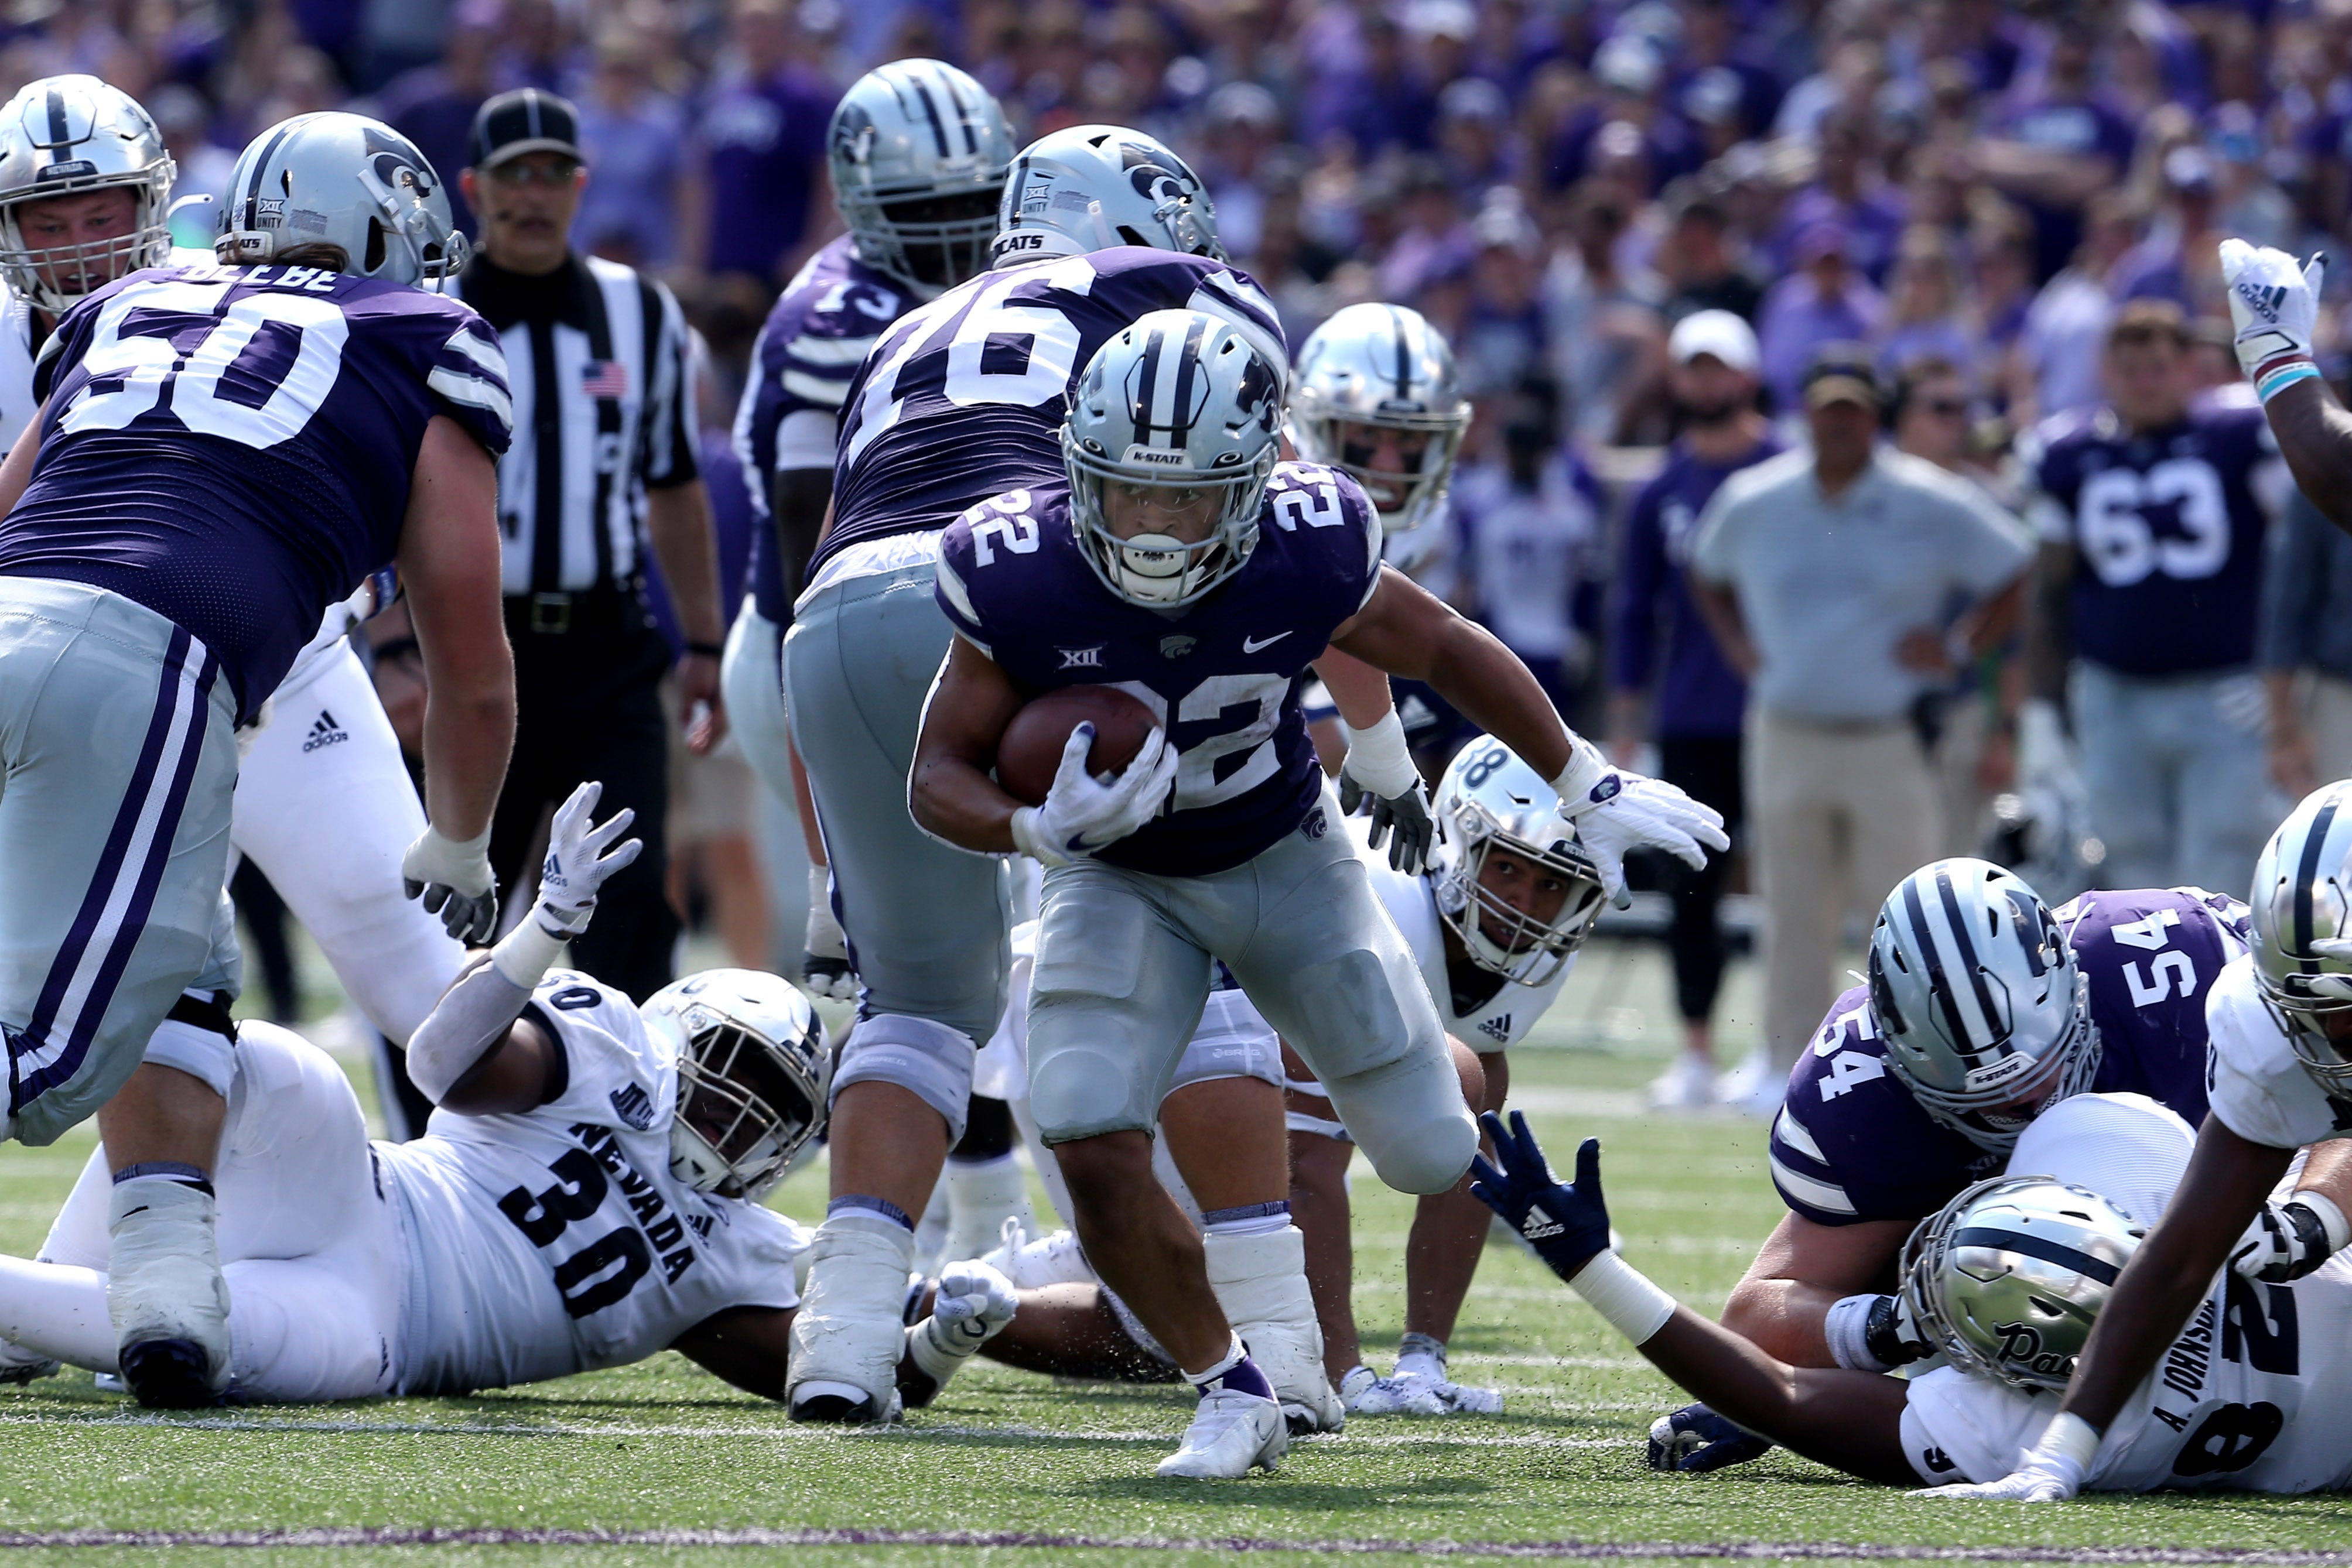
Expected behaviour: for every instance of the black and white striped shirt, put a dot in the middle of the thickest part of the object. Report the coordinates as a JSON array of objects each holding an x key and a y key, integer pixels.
[{"x": 596, "y": 358}]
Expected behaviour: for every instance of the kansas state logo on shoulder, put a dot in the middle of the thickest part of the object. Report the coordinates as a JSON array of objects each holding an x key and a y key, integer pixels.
[{"x": 632, "y": 1105}]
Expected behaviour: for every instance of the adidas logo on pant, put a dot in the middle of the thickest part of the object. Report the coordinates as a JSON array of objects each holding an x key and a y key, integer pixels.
[{"x": 325, "y": 732}]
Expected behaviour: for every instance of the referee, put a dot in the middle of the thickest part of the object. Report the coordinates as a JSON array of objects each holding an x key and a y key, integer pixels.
[{"x": 602, "y": 471}]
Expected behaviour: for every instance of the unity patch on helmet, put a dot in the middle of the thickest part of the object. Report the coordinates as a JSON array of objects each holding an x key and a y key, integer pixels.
[{"x": 269, "y": 212}]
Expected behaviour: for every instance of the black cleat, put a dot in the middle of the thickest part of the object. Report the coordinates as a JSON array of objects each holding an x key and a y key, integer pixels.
[{"x": 169, "y": 1375}]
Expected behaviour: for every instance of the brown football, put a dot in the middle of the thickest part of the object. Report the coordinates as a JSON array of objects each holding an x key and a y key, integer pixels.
[{"x": 1031, "y": 750}]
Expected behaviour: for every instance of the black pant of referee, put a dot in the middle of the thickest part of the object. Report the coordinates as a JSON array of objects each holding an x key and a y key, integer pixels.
[
  {"x": 601, "y": 486},
  {"x": 588, "y": 670}
]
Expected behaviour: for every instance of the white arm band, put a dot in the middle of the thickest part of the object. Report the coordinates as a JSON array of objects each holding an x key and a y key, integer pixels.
[
  {"x": 476, "y": 1013},
  {"x": 1376, "y": 757},
  {"x": 1847, "y": 1329},
  {"x": 1586, "y": 767},
  {"x": 1623, "y": 1297}
]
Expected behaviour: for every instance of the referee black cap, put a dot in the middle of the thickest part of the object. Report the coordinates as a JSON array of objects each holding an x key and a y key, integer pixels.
[{"x": 523, "y": 120}]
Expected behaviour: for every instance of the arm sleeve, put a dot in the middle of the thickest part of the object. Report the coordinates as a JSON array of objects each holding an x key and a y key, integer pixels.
[
  {"x": 667, "y": 437},
  {"x": 2296, "y": 580},
  {"x": 1633, "y": 602},
  {"x": 468, "y": 379}
]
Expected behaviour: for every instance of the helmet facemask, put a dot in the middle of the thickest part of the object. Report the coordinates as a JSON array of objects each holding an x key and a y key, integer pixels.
[
  {"x": 1165, "y": 570},
  {"x": 53, "y": 276},
  {"x": 746, "y": 1107},
  {"x": 1498, "y": 935},
  {"x": 1407, "y": 497}
]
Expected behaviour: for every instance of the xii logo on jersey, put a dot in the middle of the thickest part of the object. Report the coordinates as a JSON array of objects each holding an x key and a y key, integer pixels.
[
  {"x": 1082, "y": 658},
  {"x": 325, "y": 731}
]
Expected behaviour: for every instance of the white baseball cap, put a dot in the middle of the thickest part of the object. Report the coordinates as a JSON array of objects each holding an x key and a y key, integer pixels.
[{"x": 1717, "y": 332}]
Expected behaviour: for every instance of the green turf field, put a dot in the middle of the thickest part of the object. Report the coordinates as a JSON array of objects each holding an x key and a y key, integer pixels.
[{"x": 1011, "y": 1468}]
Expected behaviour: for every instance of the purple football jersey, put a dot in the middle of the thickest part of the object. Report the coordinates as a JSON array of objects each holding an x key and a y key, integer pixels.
[
  {"x": 964, "y": 399},
  {"x": 2168, "y": 530},
  {"x": 1227, "y": 671},
  {"x": 1850, "y": 1143},
  {"x": 818, "y": 334},
  {"x": 232, "y": 447}
]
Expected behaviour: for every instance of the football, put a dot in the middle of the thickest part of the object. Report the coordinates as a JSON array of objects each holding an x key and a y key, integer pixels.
[{"x": 1031, "y": 752}]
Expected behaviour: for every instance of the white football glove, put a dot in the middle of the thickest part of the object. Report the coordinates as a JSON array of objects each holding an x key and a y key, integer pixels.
[
  {"x": 825, "y": 955},
  {"x": 581, "y": 858},
  {"x": 2050, "y": 1471},
  {"x": 970, "y": 1306},
  {"x": 1626, "y": 811},
  {"x": 1083, "y": 814},
  {"x": 2290, "y": 1240},
  {"x": 2275, "y": 306},
  {"x": 453, "y": 879}
]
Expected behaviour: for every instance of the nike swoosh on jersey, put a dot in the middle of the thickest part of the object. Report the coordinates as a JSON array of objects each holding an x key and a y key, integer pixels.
[{"x": 1252, "y": 644}]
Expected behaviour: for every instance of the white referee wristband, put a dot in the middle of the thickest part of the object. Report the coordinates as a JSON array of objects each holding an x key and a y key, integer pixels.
[
  {"x": 1624, "y": 1296},
  {"x": 1586, "y": 767},
  {"x": 1376, "y": 757}
]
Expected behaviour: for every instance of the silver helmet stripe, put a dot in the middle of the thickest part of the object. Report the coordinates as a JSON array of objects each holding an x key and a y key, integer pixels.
[
  {"x": 2042, "y": 1247},
  {"x": 1930, "y": 948},
  {"x": 1403, "y": 355},
  {"x": 260, "y": 168},
  {"x": 932, "y": 113},
  {"x": 60, "y": 131},
  {"x": 1994, "y": 1028},
  {"x": 2306, "y": 876}
]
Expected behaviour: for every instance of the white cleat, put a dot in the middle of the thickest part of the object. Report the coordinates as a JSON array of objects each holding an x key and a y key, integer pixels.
[
  {"x": 1425, "y": 1379},
  {"x": 166, "y": 1295},
  {"x": 1260, "y": 1282},
  {"x": 20, "y": 1366},
  {"x": 850, "y": 1332},
  {"x": 1232, "y": 1434},
  {"x": 1293, "y": 1362},
  {"x": 1688, "y": 1086},
  {"x": 1366, "y": 1393}
]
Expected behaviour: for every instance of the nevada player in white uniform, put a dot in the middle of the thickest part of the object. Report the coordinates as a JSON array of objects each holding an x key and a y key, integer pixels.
[
  {"x": 1494, "y": 925},
  {"x": 2008, "y": 1278},
  {"x": 2280, "y": 1024},
  {"x": 588, "y": 1193},
  {"x": 324, "y": 804}
]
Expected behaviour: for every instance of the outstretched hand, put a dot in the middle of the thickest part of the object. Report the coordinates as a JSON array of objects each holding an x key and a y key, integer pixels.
[{"x": 1565, "y": 1223}]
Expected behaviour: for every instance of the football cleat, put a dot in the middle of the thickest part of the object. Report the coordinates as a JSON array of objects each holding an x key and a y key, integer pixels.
[
  {"x": 1366, "y": 1393},
  {"x": 21, "y": 1366},
  {"x": 1232, "y": 1433},
  {"x": 1426, "y": 1375},
  {"x": 166, "y": 1294},
  {"x": 1260, "y": 1282},
  {"x": 849, "y": 1334},
  {"x": 1051, "y": 1259}
]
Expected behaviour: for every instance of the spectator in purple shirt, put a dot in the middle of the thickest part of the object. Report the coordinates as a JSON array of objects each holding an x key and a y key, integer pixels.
[
  {"x": 1852, "y": 192},
  {"x": 763, "y": 145},
  {"x": 2058, "y": 148},
  {"x": 1390, "y": 105},
  {"x": 1826, "y": 301},
  {"x": 434, "y": 106},
  {"x": 2180, "y": 259},
  {"x": 1664, "y": 666},
  {"x": 1926, "y": 316},
  {"x": 632, "y": 134}
]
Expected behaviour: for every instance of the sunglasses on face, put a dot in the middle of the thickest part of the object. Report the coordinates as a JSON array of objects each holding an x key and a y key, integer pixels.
[{"x": 524, "y": 173}]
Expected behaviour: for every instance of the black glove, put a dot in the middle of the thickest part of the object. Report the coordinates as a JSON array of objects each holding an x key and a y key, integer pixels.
[
  {"x": 1565, "y": 1224},
  {"x": 1694, "y": 1439},
  {"x": 1405, "y": 821},
  {"x": 1890, "y": 1334}
]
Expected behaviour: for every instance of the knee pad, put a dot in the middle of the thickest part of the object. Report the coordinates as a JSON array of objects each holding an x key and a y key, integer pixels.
[
  {"x": 198, "y": 1039},
  {"x": 1083, "y": 1093},
  {"x": 929, "y": 1061},
  {"x": 1409, "y": 1119}
]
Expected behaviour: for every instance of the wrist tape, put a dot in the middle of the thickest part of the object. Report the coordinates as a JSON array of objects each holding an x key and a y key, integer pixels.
[
  {"x": 1378, "y": 758},
  {"x": 1623, "y": 1297}
]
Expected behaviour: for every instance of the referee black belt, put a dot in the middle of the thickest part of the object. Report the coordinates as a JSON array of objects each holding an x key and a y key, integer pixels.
[{"x": 602, "y": 609}]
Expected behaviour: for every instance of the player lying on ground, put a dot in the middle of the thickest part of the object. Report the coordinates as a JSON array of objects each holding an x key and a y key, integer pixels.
[
  {"x": 1494, "y": 925},
  {"x": 1181, "y": 564},
  {"x": 2007, "y": 1279},
  {"x": 2280, "y": 1074},
  {"x": 588, "y": 1193}
]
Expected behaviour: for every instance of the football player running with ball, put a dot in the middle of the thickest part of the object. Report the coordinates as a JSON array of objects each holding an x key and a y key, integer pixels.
[{"x": 1183, "y": 565}]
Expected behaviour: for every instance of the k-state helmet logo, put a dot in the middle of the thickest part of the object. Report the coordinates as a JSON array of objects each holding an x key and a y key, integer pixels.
[{"x": 1082, "y": 658}]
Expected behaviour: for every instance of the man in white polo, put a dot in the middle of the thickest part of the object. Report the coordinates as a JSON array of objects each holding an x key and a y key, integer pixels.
[{"x": 1829, "y": 574}]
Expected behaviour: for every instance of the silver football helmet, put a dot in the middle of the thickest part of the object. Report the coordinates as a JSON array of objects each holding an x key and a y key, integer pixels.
[
  {"x": 68, "y": 136},
  {"x": 753, "y": 1071},
  {"x": 343, "y": 180},
  {"x": 1382, "y": 366},
  {"x": 1179, "y": 410},
  {"x": 2303, "y": 932},
  {"x": 1983, "y": 1009},
  {"x": 2007, "y": 1278},
  {"x": 918, "y": 152},
  {"x": 1492, "y": 800},
  {"x": 1092, "y": 187}
]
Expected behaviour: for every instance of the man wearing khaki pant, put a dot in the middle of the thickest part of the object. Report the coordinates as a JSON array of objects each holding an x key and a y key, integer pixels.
[{"x": 1828, "y": 573}]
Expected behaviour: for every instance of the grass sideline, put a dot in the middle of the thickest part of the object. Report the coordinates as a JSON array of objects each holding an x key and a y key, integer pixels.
[{"x": 660, "y": 1463}]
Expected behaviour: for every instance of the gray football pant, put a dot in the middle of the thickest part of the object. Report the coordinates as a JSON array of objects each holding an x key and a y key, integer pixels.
[
  {"x": 1123, "y": 969},
  {"x": 929, "y": 925},
  {"x": 117, "y": 741}
]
